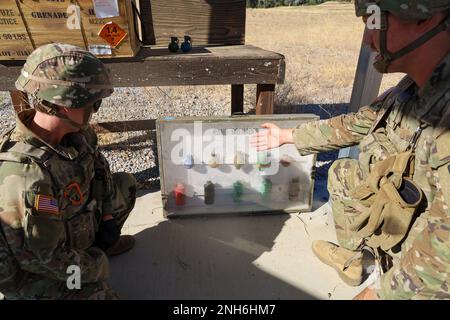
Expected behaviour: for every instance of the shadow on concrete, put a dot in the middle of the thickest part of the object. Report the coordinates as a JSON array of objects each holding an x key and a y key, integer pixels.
[{"x": 203, "y": 258}]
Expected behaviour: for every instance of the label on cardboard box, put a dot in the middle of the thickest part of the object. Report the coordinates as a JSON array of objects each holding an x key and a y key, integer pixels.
[
  {"x": 106, "y": 8},
  {"x": 112, "y": 33},
  {"x": 100, "y": 49}
]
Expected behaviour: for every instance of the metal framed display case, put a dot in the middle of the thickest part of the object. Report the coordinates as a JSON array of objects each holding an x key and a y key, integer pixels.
[{"x": 207, "y": 166}]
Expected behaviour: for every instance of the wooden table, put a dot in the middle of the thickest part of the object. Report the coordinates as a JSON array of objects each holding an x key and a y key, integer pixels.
[{"x": 235, "y": 65}]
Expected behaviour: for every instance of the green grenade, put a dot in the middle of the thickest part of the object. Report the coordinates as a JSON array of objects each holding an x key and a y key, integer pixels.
[
  {"x": 294, "y": 189},
  {"x": 239, "y": 160},
  {"x": 265, "y": 189},
  {"x": 263, "y": 160},
  {"x": 173, "y": 45},
  {"x": 238, "y": 191},
  {"x": 209, "y": 192}
]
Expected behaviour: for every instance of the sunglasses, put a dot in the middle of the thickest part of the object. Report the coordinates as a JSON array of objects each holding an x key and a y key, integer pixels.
[{"x": 96, "y": 105}]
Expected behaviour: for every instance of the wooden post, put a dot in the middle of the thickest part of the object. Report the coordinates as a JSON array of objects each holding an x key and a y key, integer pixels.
[
  {"x": 237, "y": 98},
  {"x": 367, "y": 80},
  {"x": 265, "y": 95},
  {"x": 19, "y": 100},
  {"x": 365, "y": 89}
]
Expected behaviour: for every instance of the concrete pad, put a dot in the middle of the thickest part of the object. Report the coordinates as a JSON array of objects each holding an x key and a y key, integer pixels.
[{"x": 235, "y": 257}]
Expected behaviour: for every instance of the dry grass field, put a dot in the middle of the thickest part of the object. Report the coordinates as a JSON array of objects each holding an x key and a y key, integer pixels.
[{"x": 321, "y": 45}]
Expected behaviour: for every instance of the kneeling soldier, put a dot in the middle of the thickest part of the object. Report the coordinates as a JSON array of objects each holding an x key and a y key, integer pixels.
[{"x": 61, "y": 209}]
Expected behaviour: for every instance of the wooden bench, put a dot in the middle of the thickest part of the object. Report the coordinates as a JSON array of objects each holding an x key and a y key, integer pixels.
[{"x": 219, "y": 57}]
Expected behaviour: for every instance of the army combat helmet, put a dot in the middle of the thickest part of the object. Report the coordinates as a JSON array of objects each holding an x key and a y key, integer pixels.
[
  {"x": 61, "y": 75},
  {"x": 409, "y": 10}
]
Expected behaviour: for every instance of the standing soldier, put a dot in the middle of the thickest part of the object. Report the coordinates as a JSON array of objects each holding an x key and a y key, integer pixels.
[
  {"x": 393, "y": 202},
  {"x": 61, "y": 209}
]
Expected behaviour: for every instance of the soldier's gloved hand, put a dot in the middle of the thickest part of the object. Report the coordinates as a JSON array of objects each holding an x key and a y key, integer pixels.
[{"x": 108, "y": 234}]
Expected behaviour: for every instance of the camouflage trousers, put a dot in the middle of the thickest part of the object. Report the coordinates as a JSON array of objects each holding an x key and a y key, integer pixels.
[
  {"x": 37, "y": 287},
  {"x": 343, "y": 176}
]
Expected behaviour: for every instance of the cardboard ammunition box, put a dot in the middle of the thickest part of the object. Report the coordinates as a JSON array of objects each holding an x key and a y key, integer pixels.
[
  {"x": 208, "y": 167},
  {"x": 51, "y": 21},
  {"x": 14, "y": 41},
  {"x": 92, "y": 25},
  {"x": 75, "y": 22}
]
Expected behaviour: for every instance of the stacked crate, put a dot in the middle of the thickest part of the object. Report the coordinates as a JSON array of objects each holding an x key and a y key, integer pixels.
[
  {"x": 73, "y": 22},
  {"x": 15, "y": 43}
]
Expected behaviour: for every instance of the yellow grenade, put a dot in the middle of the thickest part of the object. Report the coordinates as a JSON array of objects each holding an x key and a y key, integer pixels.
[
  {"x": 213, "y": 161},
  {"x": 239, "y": 160}
]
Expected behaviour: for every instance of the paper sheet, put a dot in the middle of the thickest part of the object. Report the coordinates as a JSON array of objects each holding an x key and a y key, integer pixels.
[{"x": 106, "y": 8}]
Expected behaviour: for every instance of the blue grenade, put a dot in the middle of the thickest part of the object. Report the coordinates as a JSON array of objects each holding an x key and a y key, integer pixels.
[
  {"x": 186, "y": 46},
  {"x": 188, "y": 161},
  {"x": 263, "y": 160},
  {"x": 173, "y": 45}
]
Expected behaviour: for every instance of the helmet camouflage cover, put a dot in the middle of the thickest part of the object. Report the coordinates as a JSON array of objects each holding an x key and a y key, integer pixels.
[
  {"x": 405, "y": 9},
  {"x": 65, "y": 75}
]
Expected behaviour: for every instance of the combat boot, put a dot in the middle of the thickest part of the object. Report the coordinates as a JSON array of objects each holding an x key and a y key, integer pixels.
[
  {"x": 347, "y": 263},
  {"x": 124, "y": 244}
]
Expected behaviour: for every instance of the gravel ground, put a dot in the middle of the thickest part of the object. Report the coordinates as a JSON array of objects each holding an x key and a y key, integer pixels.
[{"x": 136, "y": 152}]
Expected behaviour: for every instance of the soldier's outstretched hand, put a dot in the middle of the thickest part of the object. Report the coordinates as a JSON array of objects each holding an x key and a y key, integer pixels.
[{"x": 271, "y": 138}]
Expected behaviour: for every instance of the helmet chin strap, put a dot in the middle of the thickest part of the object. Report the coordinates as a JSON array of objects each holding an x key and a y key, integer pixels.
[
  {"x": 383, "y": 64},
  {"x": 53, "y": 112}
]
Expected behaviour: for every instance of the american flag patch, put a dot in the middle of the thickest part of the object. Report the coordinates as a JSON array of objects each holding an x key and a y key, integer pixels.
[{"x": 46, "y": 204}]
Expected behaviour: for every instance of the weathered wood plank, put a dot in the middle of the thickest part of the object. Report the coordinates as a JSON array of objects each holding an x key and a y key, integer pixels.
[
  {"x": 206, "y": 21},
  {"x": 124, "y": 126},
  {"x": 199, "y": 72},
  {"x": 367, "y": 80},
  {"x": 265, "y": 96},
  {"x": 204, "y": 66},
  {"x": 365, "y": 89}
]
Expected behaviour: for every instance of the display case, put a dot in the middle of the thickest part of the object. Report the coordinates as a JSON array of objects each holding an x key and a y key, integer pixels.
[{"x": 208, "y": 167}]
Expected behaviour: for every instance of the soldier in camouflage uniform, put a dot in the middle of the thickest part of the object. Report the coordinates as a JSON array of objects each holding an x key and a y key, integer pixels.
[
  {"x": 393, "y": 201},
  {"x": 60, "y": 206}
]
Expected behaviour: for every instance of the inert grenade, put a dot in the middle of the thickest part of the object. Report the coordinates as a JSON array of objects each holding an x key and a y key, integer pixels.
[
  {"x": 186, "y": 46},
  {"x": 173, "y": 45},
  {"x": 238, "y": 191},
  {"x": 180, "y": 196},
  {"x": 209, "y": 192},
  {"x": 265, "y": 189}
]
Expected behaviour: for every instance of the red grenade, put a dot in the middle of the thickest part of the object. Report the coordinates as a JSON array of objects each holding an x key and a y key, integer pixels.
[{"x": 180, "y": 196}]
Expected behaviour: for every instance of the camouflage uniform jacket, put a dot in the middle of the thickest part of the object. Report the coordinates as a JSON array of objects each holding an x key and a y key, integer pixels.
[
  {"x": 424, "y": 268},
  {"x": 48, "y": 214}
]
